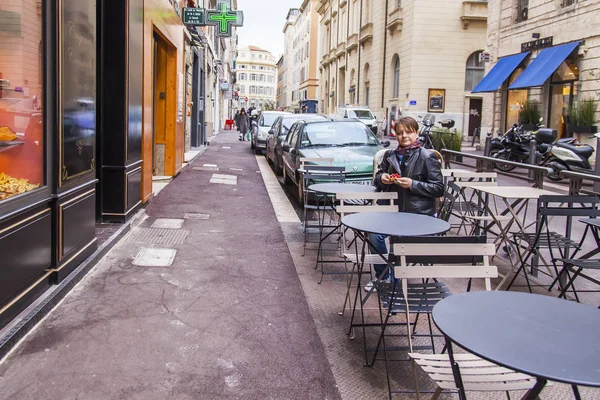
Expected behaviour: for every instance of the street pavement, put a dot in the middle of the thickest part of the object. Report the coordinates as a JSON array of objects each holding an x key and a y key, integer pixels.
[{"x": 212, "y": 296}]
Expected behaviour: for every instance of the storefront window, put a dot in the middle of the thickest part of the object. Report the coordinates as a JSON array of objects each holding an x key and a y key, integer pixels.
[
  {"x": 515, "y": 100},
  {"x": 21, "y": 94},
  {"x": 563, "y": 94}
]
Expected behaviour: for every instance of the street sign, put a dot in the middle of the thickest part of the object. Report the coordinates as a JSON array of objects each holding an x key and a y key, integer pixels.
[
  {"x": 484, "y": 56},
  {"x": 246, "y": 99},
  {"x": 194, "y": 16}
]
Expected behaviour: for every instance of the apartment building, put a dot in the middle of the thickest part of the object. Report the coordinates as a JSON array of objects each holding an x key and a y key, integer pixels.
[
  {"x": 256, "y": 79},
  {"x": 290, "y": 78},
  {"x": 546, "y": 51},
  {"x": 280, "y": 84},
  {"x": 306, "y": 57},
  {"x": 403, "y": 57}
]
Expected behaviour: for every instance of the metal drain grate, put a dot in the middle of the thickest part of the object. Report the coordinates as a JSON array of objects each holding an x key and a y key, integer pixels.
[{"x": 159, "y": 236}]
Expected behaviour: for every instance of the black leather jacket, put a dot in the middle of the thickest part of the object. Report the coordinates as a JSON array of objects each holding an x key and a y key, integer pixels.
[{"x": 423, "y": 168}]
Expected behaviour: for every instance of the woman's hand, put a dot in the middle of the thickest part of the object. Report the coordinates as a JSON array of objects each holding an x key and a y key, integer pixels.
[
  {"x": 405, "y": 183},
  {"x": 385, "y": 179}
]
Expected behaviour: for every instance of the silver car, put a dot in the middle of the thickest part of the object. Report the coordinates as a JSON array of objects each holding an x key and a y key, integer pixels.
[{"x": 258, "y": 142}]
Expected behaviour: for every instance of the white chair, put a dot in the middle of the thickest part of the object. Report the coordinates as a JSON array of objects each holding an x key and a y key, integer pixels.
[
  {"x": 372, "y": 202},
  {"x": 476, "y": 373}
]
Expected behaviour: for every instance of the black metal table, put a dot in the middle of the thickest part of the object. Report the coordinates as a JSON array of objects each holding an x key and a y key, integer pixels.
[
  {"x": 396, "y": 225},
  {"x": 542, "y": 336}
]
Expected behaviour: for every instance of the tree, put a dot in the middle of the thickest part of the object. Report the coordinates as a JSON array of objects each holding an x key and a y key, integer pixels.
[{"x": 269, "y": 105}]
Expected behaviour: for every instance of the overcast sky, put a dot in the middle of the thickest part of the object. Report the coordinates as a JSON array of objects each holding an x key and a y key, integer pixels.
[{"x": 263, "y": 23}]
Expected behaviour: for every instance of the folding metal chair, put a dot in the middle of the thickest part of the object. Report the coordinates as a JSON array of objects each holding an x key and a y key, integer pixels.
[
  {"x": 367, "y": 202},
  {"x": 322, "y": 203},
  {"x": 552, "y": 242},
  {"x": 455, "y": 258}
]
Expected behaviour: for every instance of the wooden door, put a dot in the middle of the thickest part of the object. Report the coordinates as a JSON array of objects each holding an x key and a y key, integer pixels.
[
  {"x": 475, "y": 109},
  {"x": 160, "y": 106}
]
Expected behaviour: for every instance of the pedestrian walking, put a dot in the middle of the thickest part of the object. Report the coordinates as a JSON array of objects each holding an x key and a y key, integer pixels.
[
  {"x": 412, "y": 171},
  {"x": 243, "y": 124},
  {"x": 235, "y": 119}
]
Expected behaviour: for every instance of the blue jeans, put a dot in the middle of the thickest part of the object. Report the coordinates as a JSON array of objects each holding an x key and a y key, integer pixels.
[{"x": 380, "y": 247}]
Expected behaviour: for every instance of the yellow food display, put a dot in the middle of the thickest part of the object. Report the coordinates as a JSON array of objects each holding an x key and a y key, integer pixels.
[
  {"x": 10, "y": 186},
  {"x": 7, "y": 134}
]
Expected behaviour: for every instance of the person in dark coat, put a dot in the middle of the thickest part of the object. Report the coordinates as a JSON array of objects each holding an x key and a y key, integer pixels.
[
  {"x": 235, "y": 119},
  {"x": 420, "y": 182},
  {"x": 243, "y": 124}
]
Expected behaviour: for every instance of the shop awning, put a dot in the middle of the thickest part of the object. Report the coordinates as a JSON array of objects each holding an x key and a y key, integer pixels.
[
  {"x": 501, "y": 71},
  {"x": 543, "y": 66}
]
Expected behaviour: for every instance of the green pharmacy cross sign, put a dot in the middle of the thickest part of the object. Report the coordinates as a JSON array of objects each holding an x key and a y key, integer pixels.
[{"x": 223, "y": 18}]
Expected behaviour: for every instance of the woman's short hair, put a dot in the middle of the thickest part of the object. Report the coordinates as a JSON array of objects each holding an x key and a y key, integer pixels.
[{"x": 407, "y": 122}]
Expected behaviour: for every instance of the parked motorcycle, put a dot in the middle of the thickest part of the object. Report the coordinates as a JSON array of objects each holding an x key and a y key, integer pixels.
[
  {"x": 515, "y": 146},
  {"x": 566, "y": 155},
  {"x": 426, "y": 132}
]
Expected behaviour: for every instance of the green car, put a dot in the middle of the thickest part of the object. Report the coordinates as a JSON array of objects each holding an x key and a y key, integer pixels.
[{"x": 350, "y": 143}]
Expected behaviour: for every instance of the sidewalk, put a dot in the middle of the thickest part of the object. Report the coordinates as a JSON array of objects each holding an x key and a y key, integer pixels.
[{"x": 226, "y": 319}]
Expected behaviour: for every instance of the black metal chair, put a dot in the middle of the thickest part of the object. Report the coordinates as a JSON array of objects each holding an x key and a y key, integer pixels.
[
  {"x": 320, "y": 203},
  {"x": 555, "y": 243}
]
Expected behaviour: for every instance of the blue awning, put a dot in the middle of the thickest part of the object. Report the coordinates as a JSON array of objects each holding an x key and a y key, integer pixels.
[
  {"x": 501, "y": 71},
  {"x": 543, "y": 66}
]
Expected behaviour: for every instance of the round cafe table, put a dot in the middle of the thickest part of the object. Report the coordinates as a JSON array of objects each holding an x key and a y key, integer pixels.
[
  {"x": 396, "y": 224},
  {"x": 542, "y": 336}
]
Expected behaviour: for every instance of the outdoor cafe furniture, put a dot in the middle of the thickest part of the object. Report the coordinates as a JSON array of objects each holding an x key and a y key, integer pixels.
[
  {"x": 396, "y": 225},
  {"x": 350, "y": 203},
  {"x": 577, "y": 266},
  {"x": 326, "y": 193},
  {"x": 438, "y": 258},
  {"x": 560, "y": 246},
  {"x": 541, "y": 336}
]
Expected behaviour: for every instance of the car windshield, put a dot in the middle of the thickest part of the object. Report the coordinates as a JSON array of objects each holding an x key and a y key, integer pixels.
[
  {"x": 337, "y": 133},
  {"x": 268, "y": 119},
  {"x": 360, "y": 114},
  {"x": 288, "y": 122}
]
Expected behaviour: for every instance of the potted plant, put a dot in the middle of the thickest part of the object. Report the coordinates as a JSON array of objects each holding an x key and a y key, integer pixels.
[
  {"x": 530, "y": 115},
  {"x": 582, "y": 117}
]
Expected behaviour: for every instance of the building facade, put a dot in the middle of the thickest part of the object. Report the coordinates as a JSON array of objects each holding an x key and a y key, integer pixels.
[
  {"x": 280, "y": 87},
  {"x": 402, "y": 57},
  {"x": 560, "y": 41},
  {"x": 256, "y": 79},
  {"x": 306, "y": 46},
  {"x": 290, "y": 84}
]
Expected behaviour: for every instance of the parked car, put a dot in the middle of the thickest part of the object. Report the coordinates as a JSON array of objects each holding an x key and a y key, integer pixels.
[
  {"x": 362, "y": 113},
  {"x": 277, "y": 134},
  {"x": 265, "y": 121},
  {"x": 348, "y": 142}
]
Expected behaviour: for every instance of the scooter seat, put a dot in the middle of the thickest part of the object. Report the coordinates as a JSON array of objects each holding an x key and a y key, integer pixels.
[{"x": 584, "y": 151}]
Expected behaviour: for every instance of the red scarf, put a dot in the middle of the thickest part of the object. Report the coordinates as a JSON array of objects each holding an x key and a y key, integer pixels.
[{"x": 403, "y": 150}]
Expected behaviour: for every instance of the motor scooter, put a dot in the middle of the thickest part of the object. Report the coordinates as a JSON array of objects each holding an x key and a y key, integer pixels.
[{"x": 568, "y": 155}]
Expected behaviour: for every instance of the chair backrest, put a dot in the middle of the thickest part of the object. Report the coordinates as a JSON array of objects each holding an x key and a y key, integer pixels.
[
  {"x": 569, "y": 206},
  {"x": 405, "y": 271},
  {"x": 439, "y": 156},
  {"x": 467, "y": 178},
  {"x": 323, "y": 173},
  {"x": 374, "y": 202},
  {"x": 451, "y": 196},
  {"x": 440, "y": 258}
]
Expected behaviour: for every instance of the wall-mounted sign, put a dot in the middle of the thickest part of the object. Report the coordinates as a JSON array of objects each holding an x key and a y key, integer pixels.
[
  {"x": 537, "y": 44},
  {"x": 485, "y": 56},
  {"x": 223, "y": 18},
  {"x": 436, "y": 98},
  {"x": 412, "y": 103},
  {"x": 224, "y": 86},
  {"x": 193, "y": 16}
]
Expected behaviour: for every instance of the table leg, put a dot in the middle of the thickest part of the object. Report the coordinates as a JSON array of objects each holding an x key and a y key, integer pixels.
[
  {"x": 534, "y": 392},
  {"x": 455, "y": 370}
]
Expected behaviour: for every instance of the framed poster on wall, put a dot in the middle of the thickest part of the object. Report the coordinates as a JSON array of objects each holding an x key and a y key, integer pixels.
[{"x": 436, "y": 100}]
